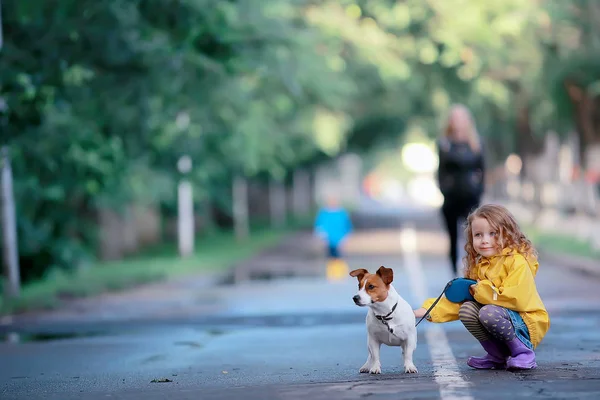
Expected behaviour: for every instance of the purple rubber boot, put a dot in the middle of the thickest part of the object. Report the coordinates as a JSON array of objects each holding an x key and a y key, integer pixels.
[
  {"x": 494, "y": 359},
  {"x": 521, "y": 357}
]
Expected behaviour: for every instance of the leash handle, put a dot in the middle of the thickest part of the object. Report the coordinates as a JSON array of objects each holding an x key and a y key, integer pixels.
[{"x": 434, "y": 303}]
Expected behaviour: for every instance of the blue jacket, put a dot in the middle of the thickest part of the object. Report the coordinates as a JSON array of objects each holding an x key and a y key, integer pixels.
[{"x": 333, "y": 225}]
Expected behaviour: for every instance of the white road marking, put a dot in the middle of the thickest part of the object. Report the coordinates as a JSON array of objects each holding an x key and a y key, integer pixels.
[{"x": 445, "y": 369}]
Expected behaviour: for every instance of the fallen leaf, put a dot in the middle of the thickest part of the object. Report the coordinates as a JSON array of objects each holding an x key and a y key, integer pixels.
[{"x": 161, "y": 380}]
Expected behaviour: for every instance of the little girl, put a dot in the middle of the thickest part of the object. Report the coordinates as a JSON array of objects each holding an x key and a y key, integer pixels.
[{"x": 507, "y": 317}]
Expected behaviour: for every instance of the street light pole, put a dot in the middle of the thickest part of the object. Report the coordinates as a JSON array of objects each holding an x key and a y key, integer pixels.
[
  {"x": 185, "y": 209},
  {"x": 1, "y": 38},
  {"x": 12, "y": 276},
  {"x": 12, "y": 283},
  {"x": 240, "y": 207}
]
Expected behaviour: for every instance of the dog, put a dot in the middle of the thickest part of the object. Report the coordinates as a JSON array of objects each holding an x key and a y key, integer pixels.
[{"x": 390, "y": 319}]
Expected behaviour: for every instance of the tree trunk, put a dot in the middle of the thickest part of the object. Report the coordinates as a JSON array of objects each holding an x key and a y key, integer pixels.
[{"x": 527, "y": 144}]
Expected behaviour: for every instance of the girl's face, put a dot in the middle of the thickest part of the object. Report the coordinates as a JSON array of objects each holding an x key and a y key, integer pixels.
[{"x": 485, "y": 237}]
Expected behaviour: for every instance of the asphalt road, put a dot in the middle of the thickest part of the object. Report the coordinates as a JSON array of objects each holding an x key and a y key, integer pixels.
[{"x": 300, "y": 338}]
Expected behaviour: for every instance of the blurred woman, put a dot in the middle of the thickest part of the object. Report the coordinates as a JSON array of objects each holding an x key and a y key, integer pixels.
[{"x": 460, "y": 173}]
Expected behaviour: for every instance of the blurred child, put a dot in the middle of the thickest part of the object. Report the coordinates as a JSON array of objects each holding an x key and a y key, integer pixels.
[
  {"x": 508, "y": 316},
  {"x": 333, "y": 225}
]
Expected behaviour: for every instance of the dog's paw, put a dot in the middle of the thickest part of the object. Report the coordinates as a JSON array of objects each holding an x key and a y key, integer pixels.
[
  {"x": 364, "y": 369},
  {"x": 410, "y": 368},
  {"x": 376, "y": 369}
]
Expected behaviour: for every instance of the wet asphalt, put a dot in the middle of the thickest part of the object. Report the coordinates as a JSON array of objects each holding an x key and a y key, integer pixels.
[{"x": 295, "y": 338}]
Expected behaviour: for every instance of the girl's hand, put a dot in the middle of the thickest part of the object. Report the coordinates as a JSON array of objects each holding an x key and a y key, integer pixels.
[
  {"x": 419, "y": 312},
  {"x": 472, "y": 289}
]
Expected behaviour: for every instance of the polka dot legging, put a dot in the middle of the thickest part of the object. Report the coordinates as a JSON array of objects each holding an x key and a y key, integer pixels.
[{"x": 486, "y": 322}]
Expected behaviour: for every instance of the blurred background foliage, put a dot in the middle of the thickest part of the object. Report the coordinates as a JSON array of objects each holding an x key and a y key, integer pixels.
[{"x": 102, "y": 97}]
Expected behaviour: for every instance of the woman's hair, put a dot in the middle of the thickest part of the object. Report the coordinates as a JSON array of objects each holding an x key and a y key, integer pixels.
[
  {"x": 509, "y": 234},
  {"x": 472, "y": 135}
]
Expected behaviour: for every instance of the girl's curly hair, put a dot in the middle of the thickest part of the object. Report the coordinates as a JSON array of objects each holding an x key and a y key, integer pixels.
[{"x": 509, "y": 234}]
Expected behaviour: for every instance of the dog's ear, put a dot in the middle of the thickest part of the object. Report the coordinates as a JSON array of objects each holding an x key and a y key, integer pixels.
[
  {"x": 359, "y": 273},
  {"x": 386, "y": 274}
]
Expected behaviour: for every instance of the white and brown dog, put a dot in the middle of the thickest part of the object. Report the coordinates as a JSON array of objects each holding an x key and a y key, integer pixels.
[{"x": 390, "y": 319}]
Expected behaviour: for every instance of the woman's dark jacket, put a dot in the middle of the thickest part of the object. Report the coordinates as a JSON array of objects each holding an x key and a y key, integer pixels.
[{"x": 461, "y": 171}]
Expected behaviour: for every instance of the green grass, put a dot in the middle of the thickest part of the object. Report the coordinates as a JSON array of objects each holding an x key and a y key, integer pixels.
[
  {"x": 213, "y": 253},
  {"x": 558, "y": 243}
]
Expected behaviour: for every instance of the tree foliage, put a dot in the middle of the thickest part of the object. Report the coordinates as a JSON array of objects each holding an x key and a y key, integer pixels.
[{"x": 103, "y": 97}]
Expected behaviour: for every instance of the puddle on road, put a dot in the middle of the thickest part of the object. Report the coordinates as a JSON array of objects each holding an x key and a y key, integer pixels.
[
  {"x": 215, "y": 332},
  {"x": 154, "y": 358},
  {"x": 190, "y": 344},
  {"x": 49, "y": 336},
  {"x": 15, "y": 337}
]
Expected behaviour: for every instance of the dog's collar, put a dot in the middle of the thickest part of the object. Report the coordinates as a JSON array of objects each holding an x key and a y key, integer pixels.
[{"x": 385, "y": 318}]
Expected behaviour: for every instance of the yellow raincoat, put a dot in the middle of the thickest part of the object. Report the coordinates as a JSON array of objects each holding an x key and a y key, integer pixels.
[{"x": 505, "y": 280}]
